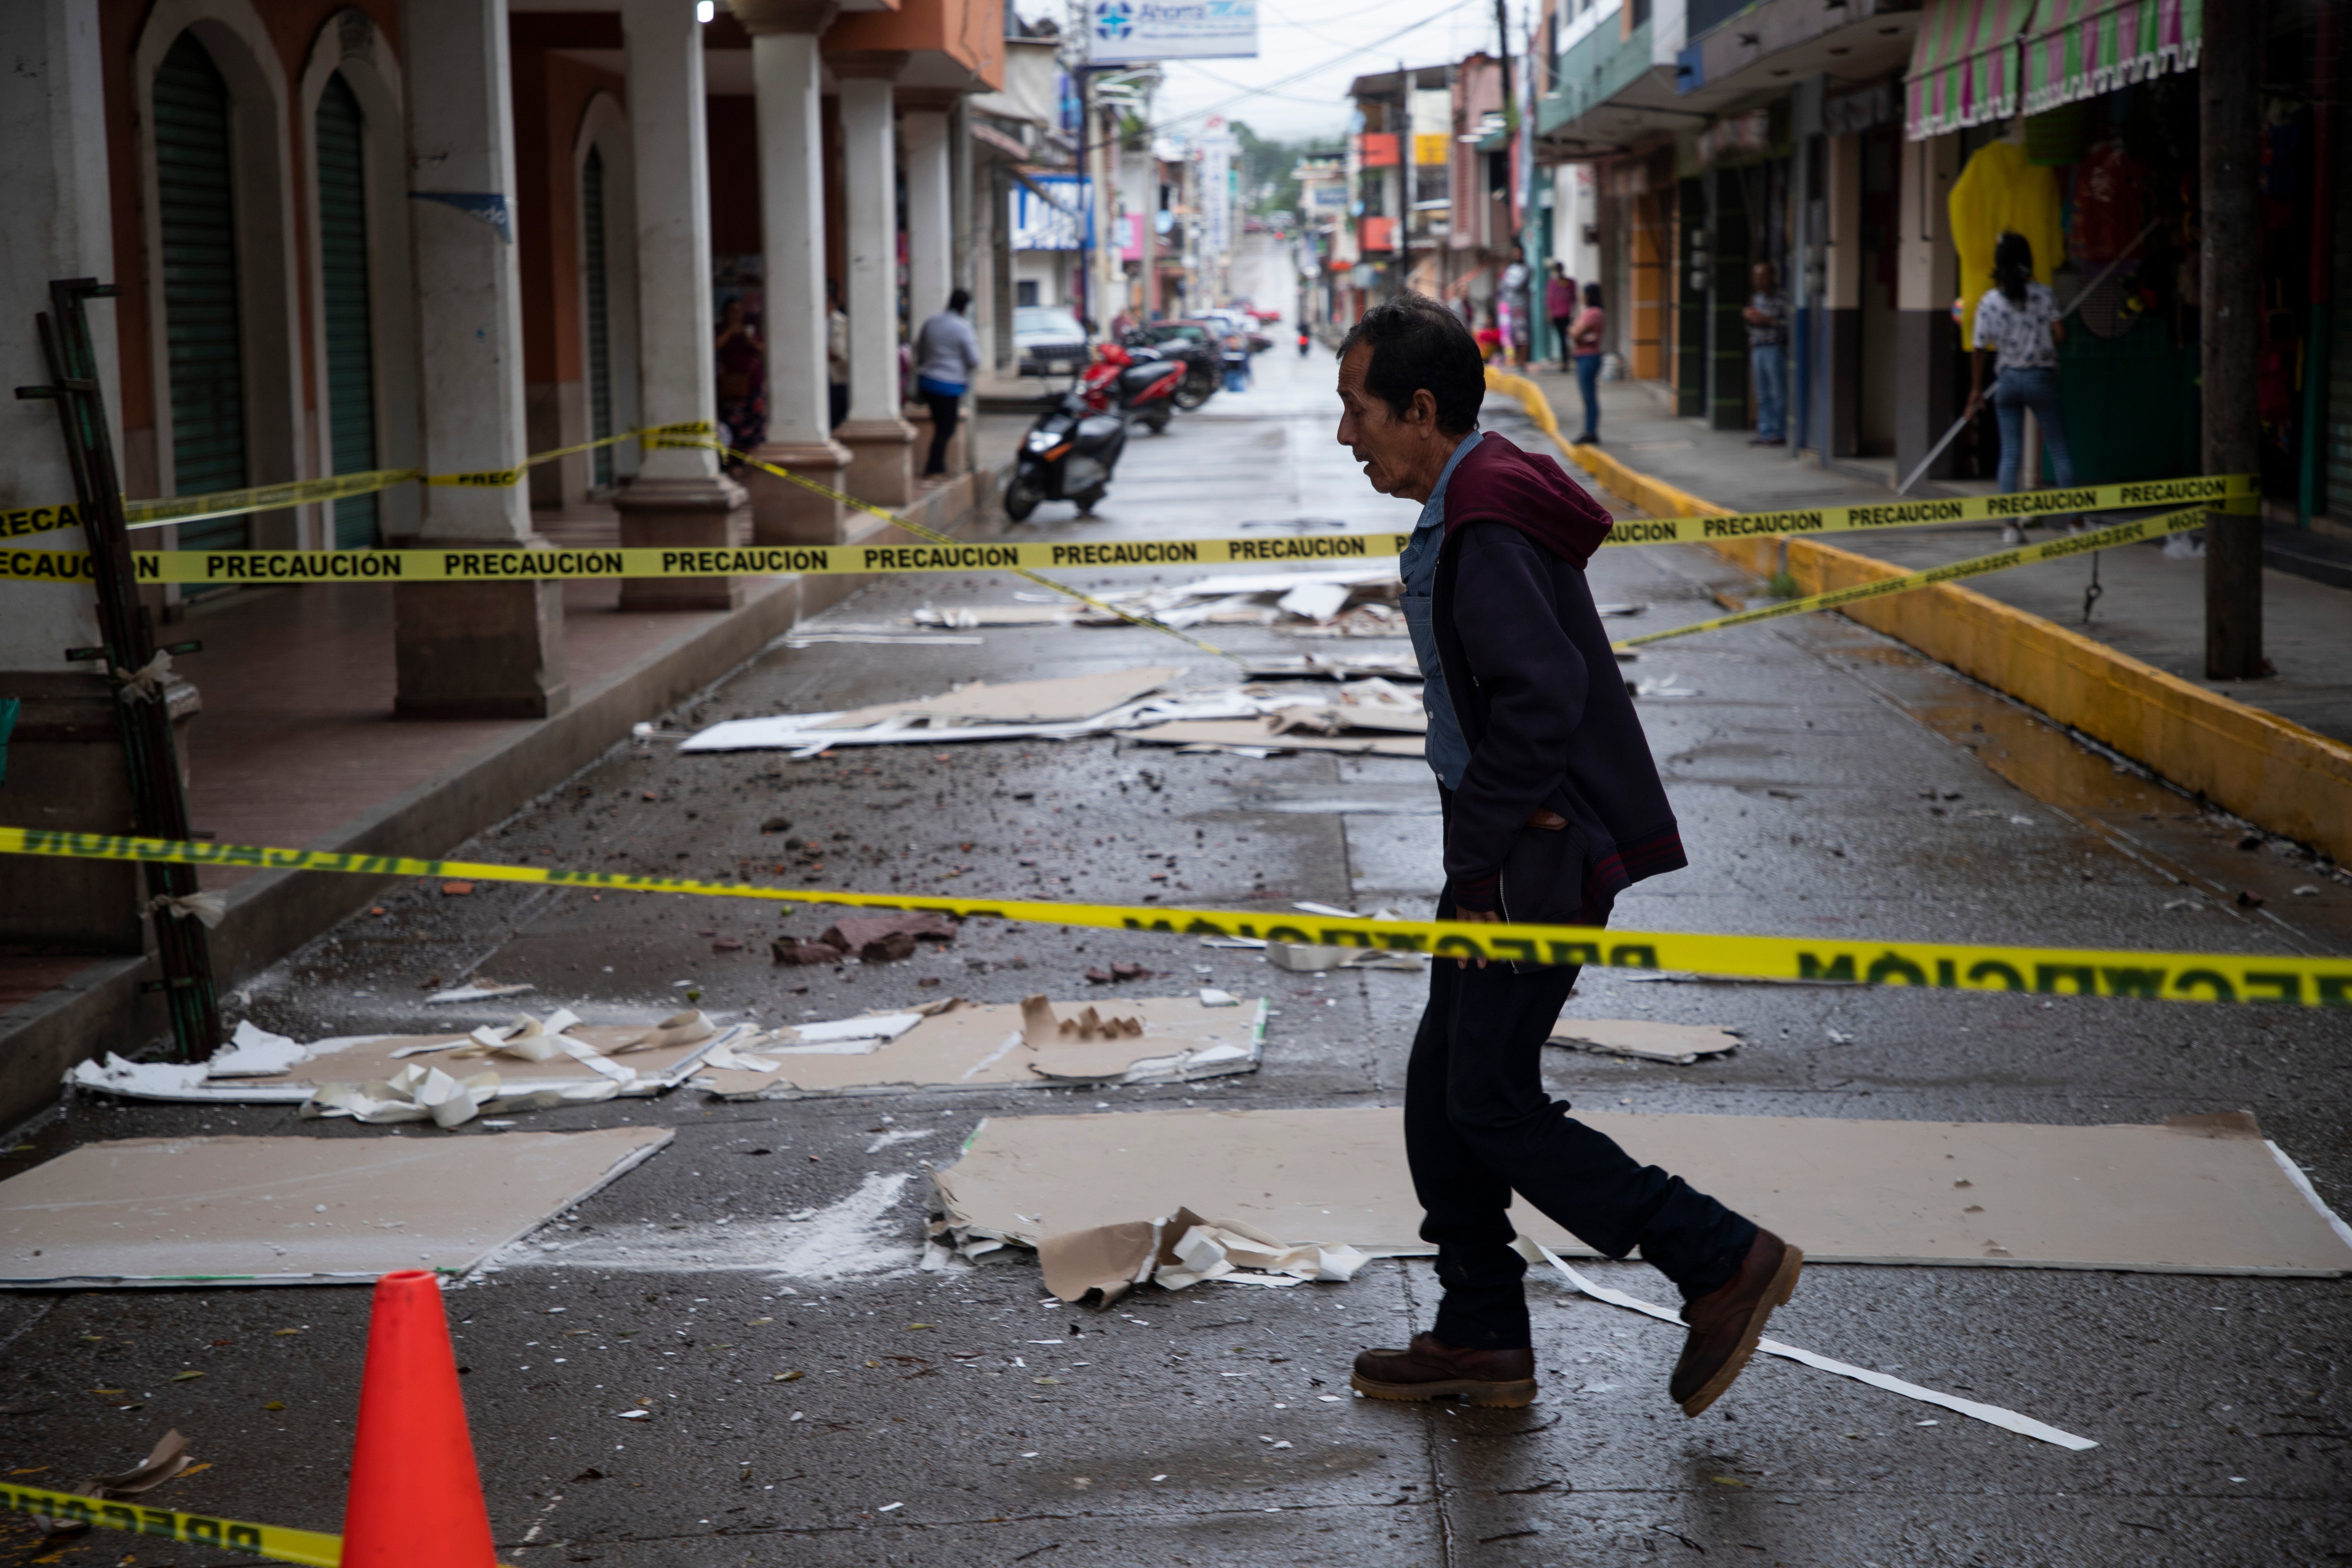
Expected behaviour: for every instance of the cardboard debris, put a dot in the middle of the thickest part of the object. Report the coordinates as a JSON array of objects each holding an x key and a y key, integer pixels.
[
  {"x": 1680, "y": 1043},
  {"x": 534, "y": 1063},
  {"x": 1099, "y": 1266},
  {"x": 2198, "y": 1194},
  {"x": 1138, "y": 1039},
  {"x": 294, "y": 1211},
  {"x": 167, "y": 1458}
]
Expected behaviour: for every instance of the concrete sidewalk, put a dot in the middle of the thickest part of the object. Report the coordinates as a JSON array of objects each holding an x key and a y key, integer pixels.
[{"x": 2151, "y": 607}]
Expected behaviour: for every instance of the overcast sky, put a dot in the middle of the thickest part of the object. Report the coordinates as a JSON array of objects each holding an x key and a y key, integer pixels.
[{"x": 1324, "y": 39}]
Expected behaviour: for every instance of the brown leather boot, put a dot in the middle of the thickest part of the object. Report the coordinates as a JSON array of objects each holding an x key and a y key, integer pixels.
[
  {"x": 1432, "y": 1370},
  {"x": 1726, "y": 1323}
]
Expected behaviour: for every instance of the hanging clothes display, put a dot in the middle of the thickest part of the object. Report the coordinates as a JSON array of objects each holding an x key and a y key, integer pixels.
[{"x": 2001, "y": 190}]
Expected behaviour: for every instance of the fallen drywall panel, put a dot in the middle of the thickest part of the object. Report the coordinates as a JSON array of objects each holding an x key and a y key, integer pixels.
[
  {"x": 1645, "y": 1039},
  {"x": 2199, "y": 1195},
  {"x": 654, "y": 1064},
  {"x": 1061, "y": 700},
  {"x": 1176, "y": 1040},
  {"x": 294, "y": 1211}
]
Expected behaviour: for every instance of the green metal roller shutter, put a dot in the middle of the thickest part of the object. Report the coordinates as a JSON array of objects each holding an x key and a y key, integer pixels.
[
  {"x": 600, "y": 355},
  {"x": 344, "y": 280},
  {"x": 200, "y": 287}
]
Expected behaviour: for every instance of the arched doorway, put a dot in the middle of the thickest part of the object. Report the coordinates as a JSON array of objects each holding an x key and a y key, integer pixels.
[
  {"x": 202, "y": 327},
  {"x": 348, "y": 305}
]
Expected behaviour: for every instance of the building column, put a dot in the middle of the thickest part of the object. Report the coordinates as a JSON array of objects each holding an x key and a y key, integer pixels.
[
  {"x": 786, "y": 82},
  {"x": 65, "y": 759},
  {"x": 470, "y": 650},
  {"x": 930, "y": 228},
  {"x": 881, "y": 468},
  {"x": 1927, "y": 274},
  {"x": 931, "y": 204},
  {"x": 1842, "y": 286},
  {"x": 678, "y": 499}
]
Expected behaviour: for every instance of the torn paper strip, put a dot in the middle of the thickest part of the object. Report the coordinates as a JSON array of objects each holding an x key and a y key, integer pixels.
[{"x": 2008, "y": 1420}]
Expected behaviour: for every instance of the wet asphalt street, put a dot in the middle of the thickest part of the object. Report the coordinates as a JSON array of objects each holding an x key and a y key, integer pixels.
[{"x": 1828, "y": 781}]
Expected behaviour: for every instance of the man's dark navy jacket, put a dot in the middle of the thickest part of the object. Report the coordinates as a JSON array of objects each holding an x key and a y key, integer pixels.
[{"x": 1534, "y": 685}]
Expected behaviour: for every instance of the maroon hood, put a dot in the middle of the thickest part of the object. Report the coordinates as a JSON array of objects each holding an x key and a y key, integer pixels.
[{"x": 1497, "y": 483}]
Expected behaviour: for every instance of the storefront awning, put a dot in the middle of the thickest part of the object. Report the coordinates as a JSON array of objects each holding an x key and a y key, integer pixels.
[
  {"x": 2084, "y": 48},
  {"x": 1964, "y": 66}
]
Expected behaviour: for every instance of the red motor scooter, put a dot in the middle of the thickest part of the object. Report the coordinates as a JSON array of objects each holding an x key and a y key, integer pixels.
[{"x": 1136, "y": 384}]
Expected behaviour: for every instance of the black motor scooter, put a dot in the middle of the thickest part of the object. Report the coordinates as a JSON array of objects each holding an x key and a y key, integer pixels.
[{"x": 1068, "y": 455}]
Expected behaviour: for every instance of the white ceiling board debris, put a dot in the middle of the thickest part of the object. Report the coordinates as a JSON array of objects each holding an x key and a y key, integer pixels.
[
  {"x": 2198, "y": 1194},
  {"x": 653, "y": 1058},
  {"x": 1160, "y": 1039},
  {"x": 295, "y": 1211},
  {"x": 977, "y": 714},
  {"x": 1057, "y": 701},
  {"x": 1645, "y": 1039}
]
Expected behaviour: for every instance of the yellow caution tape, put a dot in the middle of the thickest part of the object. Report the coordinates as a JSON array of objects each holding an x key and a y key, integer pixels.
[
  {"x": 305, "y": 1546},
  {"x": 503, "y": 564},
  {"x": 2217, "y": 492},
  {"x": 2168, "y": 977},
  {"x": 22, "y": 521},
  {"x": 2022, "y": 555},
  {"x": 940, "y": 553}
]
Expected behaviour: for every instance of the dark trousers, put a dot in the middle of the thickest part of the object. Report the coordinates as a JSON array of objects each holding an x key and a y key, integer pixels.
[
  {"x": 944, "y": 411},
  {"x": 1478, "y": 1126},
  {"x": 1559, "y": 325},
  {"x": 836, "y": 402}
]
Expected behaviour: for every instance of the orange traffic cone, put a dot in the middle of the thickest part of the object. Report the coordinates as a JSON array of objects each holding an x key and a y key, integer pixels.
[{"x": 415, "y": 1496}]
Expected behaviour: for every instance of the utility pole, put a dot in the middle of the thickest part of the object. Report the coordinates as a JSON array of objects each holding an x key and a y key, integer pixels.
[{"x": 2228, "y": 78}]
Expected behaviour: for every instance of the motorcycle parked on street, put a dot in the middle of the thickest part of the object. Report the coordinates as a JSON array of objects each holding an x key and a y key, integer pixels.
[
  {"x": 1068, "y": 455},
  {"x": 1187, "y": 341},
  {"x": 1139, "y": 384}
]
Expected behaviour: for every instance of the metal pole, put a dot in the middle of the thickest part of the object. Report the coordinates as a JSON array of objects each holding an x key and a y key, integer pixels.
[
  {"x": 158, "y": 802},
  {"x": 2229, "y": 80}
]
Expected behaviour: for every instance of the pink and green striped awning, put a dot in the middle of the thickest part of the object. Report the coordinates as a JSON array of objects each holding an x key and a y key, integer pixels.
[
  {"x": 1964, "y": 66},
  {"x": 2083, "y": 49}
]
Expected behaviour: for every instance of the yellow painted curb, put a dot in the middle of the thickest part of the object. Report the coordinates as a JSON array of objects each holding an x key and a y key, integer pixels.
[{"x": 2273, "y": 773}]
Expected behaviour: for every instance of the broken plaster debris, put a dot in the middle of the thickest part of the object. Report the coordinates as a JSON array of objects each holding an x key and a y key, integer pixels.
[
  {"x": 1644, "y": 1039},
  {"x": 530, "y": 1064},
  {"x": 956, "y": 1045},
  {"x": 2199, "y": 1193},
  {"x": 1177, "y": 1251},
  {"x": 248, "y": 1210}
]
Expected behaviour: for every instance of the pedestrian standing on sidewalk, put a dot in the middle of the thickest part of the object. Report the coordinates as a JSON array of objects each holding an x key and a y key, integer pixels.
[
  {"x": 1551, "y": 807},
  {"x": 1514, "y": 310},
  {"x": 1766, "y": 315},
  {"x": 837, "y": 355},
  {"x": 946, "y": 350},
  {"x": 1559, "y": 306},
  {"x": 1584, "y": 337},
  {"x": 2018, "y": 327},
  {"x": 742, "y": 362}
]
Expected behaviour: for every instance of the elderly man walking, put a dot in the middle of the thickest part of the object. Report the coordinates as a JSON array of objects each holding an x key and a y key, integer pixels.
[{"x": 1552, "y": 807}]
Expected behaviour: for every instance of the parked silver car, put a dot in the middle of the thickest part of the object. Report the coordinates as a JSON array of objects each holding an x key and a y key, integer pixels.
[{"x": 1050, "y": 341}]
